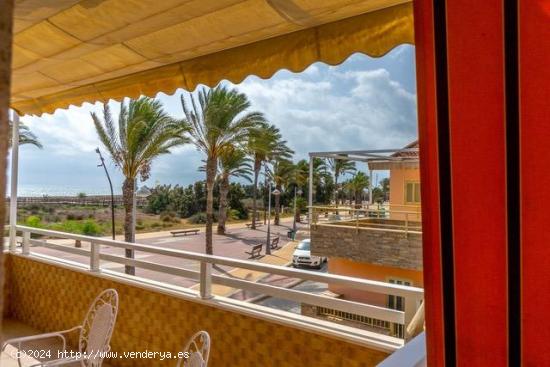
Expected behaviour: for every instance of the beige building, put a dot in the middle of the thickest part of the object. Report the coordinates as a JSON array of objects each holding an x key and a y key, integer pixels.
[
  {"x": 404, "y": 182},
  {"x": 379, "y": 246}
]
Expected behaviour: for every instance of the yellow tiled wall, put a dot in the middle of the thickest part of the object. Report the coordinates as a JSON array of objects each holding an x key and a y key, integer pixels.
[{"x": 50, "y": 298}]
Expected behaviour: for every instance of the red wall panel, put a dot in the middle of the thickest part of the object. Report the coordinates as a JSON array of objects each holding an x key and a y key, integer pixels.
[
  {"x": 427, "y": 130},
  {"x": 534, "y": 70},
  {"x": 478, "y": 167}
]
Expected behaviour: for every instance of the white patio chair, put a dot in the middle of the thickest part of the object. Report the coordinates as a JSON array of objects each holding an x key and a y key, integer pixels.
[
  {"x": 197, "y": 349},
  {"x": 95, "y": 334}
]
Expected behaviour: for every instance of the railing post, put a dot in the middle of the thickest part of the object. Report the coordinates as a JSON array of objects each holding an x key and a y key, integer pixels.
[
  {"x": 13, "y": 180},
  {"x": 26, "y": 242},
  {"x": 407, "y": 223},
  {"x": 206, "y": 280},
  {"x": 94, "y": 256}
]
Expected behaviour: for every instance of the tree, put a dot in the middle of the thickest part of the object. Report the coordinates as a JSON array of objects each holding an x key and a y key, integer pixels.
[
  {"x": 385, "y": 183},
  {"x": 143, "y": 132},
  {"x": 265, "y": 143},
  {"x": 340, "y": 167},
  {"x": 232, "y": 163},
  {"x": 218, "y": 121},
  {"x": 357, "y": 185},
  {"x": 26, "y": 136},
  {"x": 281, "y": 174},
  {"x": 320, "y": 173}
]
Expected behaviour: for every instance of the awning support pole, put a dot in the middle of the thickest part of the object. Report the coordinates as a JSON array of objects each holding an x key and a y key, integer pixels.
[
  {"x": 310, "y": 191},
  {"x": 13, "y": 178},
  {"x": 371, "y": 186}
]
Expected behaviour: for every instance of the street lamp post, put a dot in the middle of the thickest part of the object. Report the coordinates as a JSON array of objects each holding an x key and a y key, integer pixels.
[
  {"x": 268, "y": 245},
  {"x": 112, "y": 194},
  {"x": 299, "y": 192}
]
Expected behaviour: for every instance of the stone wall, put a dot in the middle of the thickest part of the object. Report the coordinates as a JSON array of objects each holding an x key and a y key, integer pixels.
[{"x": 386, "y": 247}]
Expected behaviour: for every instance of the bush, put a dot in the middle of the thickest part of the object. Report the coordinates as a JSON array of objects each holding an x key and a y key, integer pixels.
[
  {"x": 200, "y": 218},
  {"x": 75, "y": 216},
  {"x": 91, "y": 228},
  {"x": 236, "y": 214},
  {"x": 33, "y": 221},
  {"x": 168, "y": 217}
]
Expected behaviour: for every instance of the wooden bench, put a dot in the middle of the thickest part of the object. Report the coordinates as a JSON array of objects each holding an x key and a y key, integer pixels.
[
  {"x": 255, "y": 251},
  {"x": 275, "y": 243},
  {"x": 258, "y": 224},
  {"x": 185, "y": 232}
]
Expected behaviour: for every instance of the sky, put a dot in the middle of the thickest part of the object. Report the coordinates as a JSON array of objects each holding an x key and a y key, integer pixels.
[{"x": 363, "y": 103}]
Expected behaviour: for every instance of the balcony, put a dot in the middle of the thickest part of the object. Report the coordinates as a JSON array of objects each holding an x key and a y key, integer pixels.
[
  {"x": 376, "y": 236},
  {"x": 46, "y": 293}
]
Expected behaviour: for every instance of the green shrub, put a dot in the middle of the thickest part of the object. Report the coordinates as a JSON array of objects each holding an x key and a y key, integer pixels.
[
  {"x": 90, "y": 228},
  {"x": 156, "y": 225},
  {"x": 238, "y": 214},
  {"x": 75, "y": 216},
  {"x": 33, "y": 221},
  {"x": 200, "y": 218},
  {"x": 234, "y": 214},
  {"x": 166, "y": 217}
]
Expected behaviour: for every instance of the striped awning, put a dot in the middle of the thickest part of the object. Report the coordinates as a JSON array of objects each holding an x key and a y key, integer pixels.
[{"x": 67, "y": 52}]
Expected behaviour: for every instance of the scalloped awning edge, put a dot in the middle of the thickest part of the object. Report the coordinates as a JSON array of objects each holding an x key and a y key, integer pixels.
[{"x": 374, "y": 34}]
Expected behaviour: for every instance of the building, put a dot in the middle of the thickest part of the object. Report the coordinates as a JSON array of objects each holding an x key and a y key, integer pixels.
[{"x": 375, "y": 244}]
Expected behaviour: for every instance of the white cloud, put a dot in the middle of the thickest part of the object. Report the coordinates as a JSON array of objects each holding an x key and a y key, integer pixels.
[
  {"x": 324, "y": 108},
  {"x": 340, "y": 111}
]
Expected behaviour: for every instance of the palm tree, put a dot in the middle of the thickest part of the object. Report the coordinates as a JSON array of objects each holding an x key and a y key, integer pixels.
[
  {"x": 281, "y": 174},
  {"x": 143, "y": 132},
  {"x": 340, "y": 167},
  {"x": 357, "y": 185},
  {"x": 26, "y": 136},
  {"x": 232, "y": 163},
  {"x": 265, "y": 143},
  {"x": 218, "y": 122}
]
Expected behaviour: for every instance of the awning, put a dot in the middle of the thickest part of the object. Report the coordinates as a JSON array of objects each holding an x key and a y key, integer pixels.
[
  {"x": 378, "y": 159},
  {"x": 67, "y": 52}
]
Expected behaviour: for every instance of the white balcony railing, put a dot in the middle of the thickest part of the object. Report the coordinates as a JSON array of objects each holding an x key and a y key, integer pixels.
[
  {"x": 367, "y": 217},
  {"x": 206, "y": 278}
]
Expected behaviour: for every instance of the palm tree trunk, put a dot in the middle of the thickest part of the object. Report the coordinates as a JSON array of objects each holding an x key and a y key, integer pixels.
[
  {"x": 128, "y": 198},
  {"x": 210, "y": 176},
  {"x": 222, "y": 216},
  {"x": 257, "y": 167},
  {"x": 277, "y": 206},
  {"x": 336, "y": 192}
]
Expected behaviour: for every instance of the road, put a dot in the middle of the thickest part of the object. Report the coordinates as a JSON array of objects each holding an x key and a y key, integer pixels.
[
  {"x": 234, "y": 244},
  {"x": 293, "y": 306}
]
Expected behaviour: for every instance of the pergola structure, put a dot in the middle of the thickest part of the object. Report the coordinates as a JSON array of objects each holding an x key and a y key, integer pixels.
[
  {"x": 482, "y": 81},
  {"x": 376, "y": 160}
]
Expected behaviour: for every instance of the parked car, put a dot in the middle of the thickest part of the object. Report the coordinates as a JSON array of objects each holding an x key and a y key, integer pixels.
[{"x": 302, "y": 256}]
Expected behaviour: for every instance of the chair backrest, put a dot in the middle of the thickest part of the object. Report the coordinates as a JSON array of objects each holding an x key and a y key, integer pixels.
[
  {"x": 98, "y": 326},
  {"x": 196, "y": 350}
]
